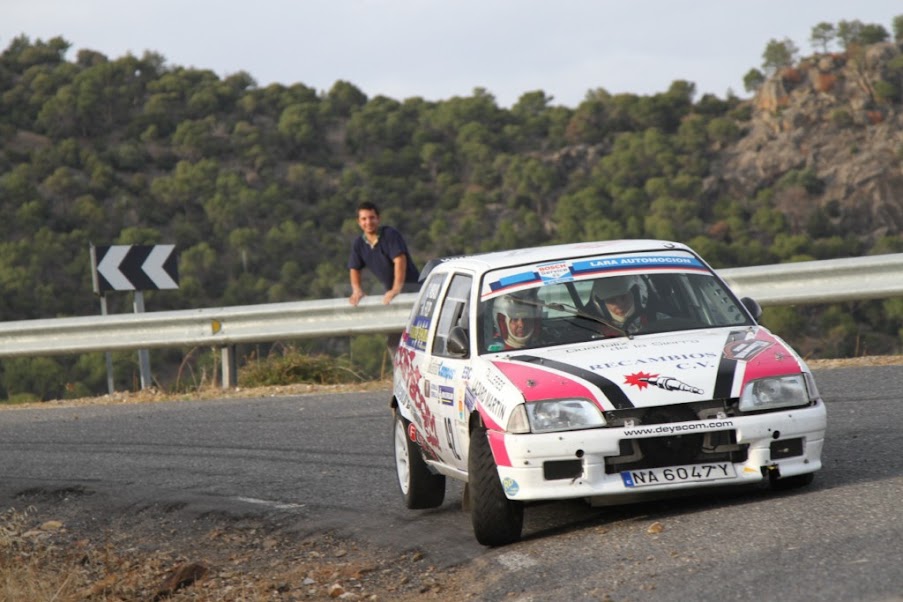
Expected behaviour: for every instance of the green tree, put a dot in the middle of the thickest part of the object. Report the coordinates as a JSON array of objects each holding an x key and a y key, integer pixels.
[
  {"x": 888, "y": 92},
  {"x": 898, "y": 28},
  {"x": 528, "y": 182},
  {"x": 822, "y": 36},
  {"x": 196, "y": 139},
  {"x": 378, "y": 125},
  {"x": 849, "y": 33},
  {"x": 28, "y": 378},
  {"x": 21, "y": 54},
  {"x": 779, "y": 54},
  {"x": 753, "y": 80},
  {"x": 723, "y": 130},
  {"x": 300, "y": 128},
  {"x": 591, "y": 122},
  {"x": 872, "y": 34},
  {"x": 343, "y": 99}
]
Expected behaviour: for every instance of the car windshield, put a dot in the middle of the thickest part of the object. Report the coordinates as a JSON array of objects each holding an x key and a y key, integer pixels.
[{"x": 576, "y": 300}]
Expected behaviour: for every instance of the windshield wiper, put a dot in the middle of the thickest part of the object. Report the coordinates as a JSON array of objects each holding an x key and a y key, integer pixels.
[{"x": 582, "y": 314}]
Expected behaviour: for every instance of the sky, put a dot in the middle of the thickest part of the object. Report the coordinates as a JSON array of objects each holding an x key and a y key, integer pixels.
[{"x": 438, "y": 49}]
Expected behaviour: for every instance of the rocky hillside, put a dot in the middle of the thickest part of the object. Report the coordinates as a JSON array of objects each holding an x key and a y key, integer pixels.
[{"x": 836, "y": 120}]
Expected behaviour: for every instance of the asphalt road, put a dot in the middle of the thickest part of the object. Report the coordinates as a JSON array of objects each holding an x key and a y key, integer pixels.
[{"x": 325, "y": 462}]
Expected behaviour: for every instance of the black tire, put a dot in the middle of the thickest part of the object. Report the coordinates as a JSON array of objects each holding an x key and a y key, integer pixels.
[
  {"x": 419, "y": 486},
  {"x": 496, "y": 520},
  {"x": 794, "y": 482}
]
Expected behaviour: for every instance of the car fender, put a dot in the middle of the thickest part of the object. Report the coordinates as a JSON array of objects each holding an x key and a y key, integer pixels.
[{"x": 492, "y": 394}]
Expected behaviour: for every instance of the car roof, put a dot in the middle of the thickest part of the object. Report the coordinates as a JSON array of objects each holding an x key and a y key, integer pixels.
[{"x": 532, "y": 255}]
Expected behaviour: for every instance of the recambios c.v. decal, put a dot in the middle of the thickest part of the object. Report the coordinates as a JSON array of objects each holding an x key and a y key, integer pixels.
[{"x": 641, "y": 380}]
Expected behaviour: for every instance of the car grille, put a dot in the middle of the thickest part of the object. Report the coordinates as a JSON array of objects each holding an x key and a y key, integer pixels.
[
  {"x": 675, "y": 450},
  {"x": 687, "y": 412}
]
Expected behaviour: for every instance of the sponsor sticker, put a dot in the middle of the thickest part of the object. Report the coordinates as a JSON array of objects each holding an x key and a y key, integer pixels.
[
  {"x": 510, "y": 485},
  {"x": 492, "y": 404},
  {"x": 446, "y": 372},
  {"x": 745, "y": 350},
  {"x": 641, "y": 380},
  {"x": 446, "y": 395},
  {"x": 469, "y": 401},
  {"x": 605, "y": 264},
  {"x": 416, "y": 333},
  {"x": 683, "y": 361},
  {"x": 513, "y": 280},
  {"x": 554, "y": 272}
]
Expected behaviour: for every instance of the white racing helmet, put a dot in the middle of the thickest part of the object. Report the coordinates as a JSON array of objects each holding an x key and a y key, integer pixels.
[
  {"x": 613, "y": 286},
  {"x": 515, "y": 306}
]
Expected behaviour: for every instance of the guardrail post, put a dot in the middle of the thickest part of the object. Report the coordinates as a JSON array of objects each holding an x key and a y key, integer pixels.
[
  {"x": 230, "y": 367},
  {"x": 143, "y": 354},
  {"x": 108, "y": 357}
]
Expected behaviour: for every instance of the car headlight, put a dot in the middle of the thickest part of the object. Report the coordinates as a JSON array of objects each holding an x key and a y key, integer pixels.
[
  {"x": 562, "y": 415},
  {"x": 774, "y": 392}
]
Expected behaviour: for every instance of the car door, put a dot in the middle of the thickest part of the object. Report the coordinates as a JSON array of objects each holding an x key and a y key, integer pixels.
[
  {"x": 447, "y": 374},
  {"x": 411, "y": 360}
]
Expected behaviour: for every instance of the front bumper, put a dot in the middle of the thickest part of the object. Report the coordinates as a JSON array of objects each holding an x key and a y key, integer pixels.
[{"x": 530, "y": 465}]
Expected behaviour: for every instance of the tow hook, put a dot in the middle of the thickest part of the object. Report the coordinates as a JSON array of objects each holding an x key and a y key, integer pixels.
[{"x": 772, "y": 471}]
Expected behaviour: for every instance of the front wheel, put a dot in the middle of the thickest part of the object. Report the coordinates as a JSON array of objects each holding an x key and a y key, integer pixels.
[
  {"x": 496, "y": 519},
  {"x": 420, "y": 487}
]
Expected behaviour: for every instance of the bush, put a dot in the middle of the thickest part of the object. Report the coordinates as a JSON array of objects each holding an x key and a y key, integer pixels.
[
  {"x": 296, "y": 366},
  {"x": 22, "y": 398},
  {"x": 370, "y": 356},
  {"x": 841, "y": 118},
  {"x": 886, "y": 91}
]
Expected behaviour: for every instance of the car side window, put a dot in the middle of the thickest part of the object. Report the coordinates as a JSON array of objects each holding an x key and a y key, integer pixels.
[
  {"x": 422, "y": 317},
  {"x": 454, "y": 312}
]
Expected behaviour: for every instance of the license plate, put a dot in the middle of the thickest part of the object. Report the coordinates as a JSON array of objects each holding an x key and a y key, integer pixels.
[{"x": 678, "y": 474}]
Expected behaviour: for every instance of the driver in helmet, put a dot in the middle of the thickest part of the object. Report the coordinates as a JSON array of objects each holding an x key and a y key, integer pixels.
[
  {"x": 516, "y": 321},
  {"x": 618, "y": 300}
]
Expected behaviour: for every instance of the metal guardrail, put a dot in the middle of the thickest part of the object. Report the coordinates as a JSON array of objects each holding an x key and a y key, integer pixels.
[
  {"x": 879, "y": 276},
  {"x": 214, "y": 327},
  {"x": 827, "y": 281}
]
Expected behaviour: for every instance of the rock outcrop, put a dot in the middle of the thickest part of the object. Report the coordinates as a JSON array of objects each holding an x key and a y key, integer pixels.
[{"x": 832, "y": 118}]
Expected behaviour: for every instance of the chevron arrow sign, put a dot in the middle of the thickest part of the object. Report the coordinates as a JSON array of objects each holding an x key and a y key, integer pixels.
[{"x": 134, "y": 268}]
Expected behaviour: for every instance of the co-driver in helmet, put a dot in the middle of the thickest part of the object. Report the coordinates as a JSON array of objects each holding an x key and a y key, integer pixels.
[{"x": 516, "y": 321}]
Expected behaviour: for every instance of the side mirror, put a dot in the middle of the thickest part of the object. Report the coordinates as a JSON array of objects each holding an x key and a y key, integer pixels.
[
  {"x": 752, "y": 307},
  {"x": 458, "y": 343}
]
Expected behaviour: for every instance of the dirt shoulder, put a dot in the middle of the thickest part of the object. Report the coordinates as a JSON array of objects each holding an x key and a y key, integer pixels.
[{"x": 62, "y": 546}]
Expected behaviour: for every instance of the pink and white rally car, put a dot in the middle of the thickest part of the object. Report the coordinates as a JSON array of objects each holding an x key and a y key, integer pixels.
[{"x": 591, "y": 370}]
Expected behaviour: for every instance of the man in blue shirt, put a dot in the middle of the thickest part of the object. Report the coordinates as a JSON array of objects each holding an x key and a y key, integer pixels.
[{"x": 383, "y": 250}]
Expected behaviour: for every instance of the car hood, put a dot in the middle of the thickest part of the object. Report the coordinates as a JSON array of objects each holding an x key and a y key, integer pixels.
[{"x": 650, "y": 370}]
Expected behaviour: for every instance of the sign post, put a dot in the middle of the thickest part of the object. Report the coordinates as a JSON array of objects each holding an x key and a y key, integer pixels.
[{"x": 133, "y": 268}]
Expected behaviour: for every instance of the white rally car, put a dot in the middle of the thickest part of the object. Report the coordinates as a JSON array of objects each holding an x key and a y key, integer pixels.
[{"x": 591, "y": 370}]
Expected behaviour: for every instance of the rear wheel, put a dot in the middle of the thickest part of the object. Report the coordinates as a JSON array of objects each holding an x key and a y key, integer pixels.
[
  {"x": 496, "y": 519},
  {"x": 419, "y": 486}
]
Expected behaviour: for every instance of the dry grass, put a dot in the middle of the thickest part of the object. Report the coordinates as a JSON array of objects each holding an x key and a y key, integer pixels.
[
  {"x": 42, "y": 561},
  {"x": 211, "y": 392},
  {"x": 39, "y": 563},
  {"x": 31, "y": 567}
]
